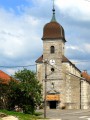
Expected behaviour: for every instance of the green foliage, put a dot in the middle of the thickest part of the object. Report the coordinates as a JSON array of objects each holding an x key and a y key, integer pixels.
[
  {"x": 29, "y": 84},
  {"x": 3, "y": 95},
  {"x": 15, "y": 95},
  {"x": 26, "y": 93},
  {"x": 21, "y": 116}
]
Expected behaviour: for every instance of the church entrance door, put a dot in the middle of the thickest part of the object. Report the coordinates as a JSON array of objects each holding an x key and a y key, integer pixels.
[{"x": 52, "y": 104}]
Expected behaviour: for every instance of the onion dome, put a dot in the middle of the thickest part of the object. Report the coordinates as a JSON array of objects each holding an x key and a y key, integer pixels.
[{"x": 53, "y": 30}]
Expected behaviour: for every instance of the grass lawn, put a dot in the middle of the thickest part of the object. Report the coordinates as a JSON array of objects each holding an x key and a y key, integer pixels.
[{"x": 21, "y": 116}]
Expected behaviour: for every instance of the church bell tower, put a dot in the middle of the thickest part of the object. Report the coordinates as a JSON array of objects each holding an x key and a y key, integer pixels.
[{"x": 53, "y": 51}]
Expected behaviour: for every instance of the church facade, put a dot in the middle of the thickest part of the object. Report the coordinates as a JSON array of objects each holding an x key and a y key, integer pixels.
[{"x": 63, "y": 85}]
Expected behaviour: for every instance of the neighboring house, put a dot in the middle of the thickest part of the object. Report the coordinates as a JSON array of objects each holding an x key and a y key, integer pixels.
[
  {"x": 5, "y": 78},
  {"x": 65, "y": 87},
  {"x": 85, "y": 90}
]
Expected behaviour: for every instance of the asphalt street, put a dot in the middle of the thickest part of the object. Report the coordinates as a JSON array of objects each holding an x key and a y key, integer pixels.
[{"x": 67, "y": 114}]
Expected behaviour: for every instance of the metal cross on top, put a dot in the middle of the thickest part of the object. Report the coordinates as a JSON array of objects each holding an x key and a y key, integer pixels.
[
  {"x": 53, "y": 4},
  {"x": 53, "y": 17}
]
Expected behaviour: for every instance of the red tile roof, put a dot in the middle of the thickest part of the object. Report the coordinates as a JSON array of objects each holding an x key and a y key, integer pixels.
[
  {"x": 86, "y": 75},
  {"x": 4, "y": 77}
]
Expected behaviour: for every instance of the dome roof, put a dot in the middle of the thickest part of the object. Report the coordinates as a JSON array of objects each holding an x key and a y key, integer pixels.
[{"x": 53, "y": 30}]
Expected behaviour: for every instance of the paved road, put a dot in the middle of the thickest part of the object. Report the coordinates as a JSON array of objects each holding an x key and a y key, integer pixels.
[{"x": 68, "y": 114}]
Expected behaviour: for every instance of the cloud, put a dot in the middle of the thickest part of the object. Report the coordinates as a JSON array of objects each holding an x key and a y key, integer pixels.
[
  {"x": 79, "y": 55},
  {"x": 78, "y": 9},
  {"x": 74, "y": 48},
  {"x": 19, "y": 38},
  {"x": 80, "y": 52},
  {"x": 17, "y": 33},
  {"x": 87, "y": 48}
]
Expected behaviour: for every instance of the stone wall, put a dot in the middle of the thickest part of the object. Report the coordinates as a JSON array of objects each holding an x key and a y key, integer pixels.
[
  {"x": 85, "y": 93},
  {"x": 71, "y": 88}
]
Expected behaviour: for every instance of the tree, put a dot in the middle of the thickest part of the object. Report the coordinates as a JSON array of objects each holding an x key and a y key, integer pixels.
[
  {"x": 14, "y": 95},
  {"x": 9, "y": 94},
  {"x": 3, "y": 94},
  {"x": 29, "y": 96}
]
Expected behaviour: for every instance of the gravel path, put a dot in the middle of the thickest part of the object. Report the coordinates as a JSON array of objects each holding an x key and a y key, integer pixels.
[
  {"x": 14, "y": 118},
  {"x": 9, "y": 118}
]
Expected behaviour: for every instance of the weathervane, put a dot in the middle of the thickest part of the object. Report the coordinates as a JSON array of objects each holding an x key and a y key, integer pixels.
[
  {"x": 53, "y": 4},
  {"x": 53, "y": 7},
  {"x": 53, "y": 17}
]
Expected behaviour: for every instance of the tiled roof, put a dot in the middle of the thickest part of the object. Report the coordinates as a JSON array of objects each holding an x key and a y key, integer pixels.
[
  {"x": 85, "y": 75},
  {"x": 40, "y": 59},
  {"x": 64, "y": 59},
  {"x": 4, "y": 77}
]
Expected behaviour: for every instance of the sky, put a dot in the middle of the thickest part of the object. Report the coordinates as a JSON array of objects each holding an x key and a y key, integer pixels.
[{"x": 21, "y": 30}]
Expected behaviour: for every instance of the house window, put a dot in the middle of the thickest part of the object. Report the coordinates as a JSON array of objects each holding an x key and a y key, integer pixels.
[{"x": 52, "y": 49}]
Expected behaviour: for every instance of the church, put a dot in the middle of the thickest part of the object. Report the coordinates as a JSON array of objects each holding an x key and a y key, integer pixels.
[{"x": 64, "y": 85}]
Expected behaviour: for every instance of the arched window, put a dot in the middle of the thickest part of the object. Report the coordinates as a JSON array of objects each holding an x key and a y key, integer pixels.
[
  {"x": 52, "y": 69},
  {"x": 52, "y": 49}
]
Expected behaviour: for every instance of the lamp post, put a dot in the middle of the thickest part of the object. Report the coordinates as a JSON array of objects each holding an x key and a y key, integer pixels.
[{"x": 45, "y": 87}]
